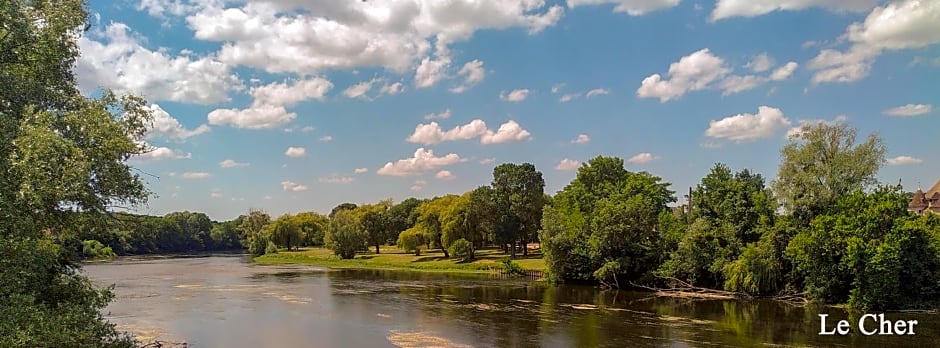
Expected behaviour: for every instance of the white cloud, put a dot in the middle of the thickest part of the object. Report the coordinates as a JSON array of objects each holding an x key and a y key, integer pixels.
[
  {"x": 486, "y": 161},
  {"x": 557, "y": 87},
  {"x": 445, "y": 175},
  {"x": 597, "y": 92},
  {"x": 909, "y": 110},
  {"x": 392, "y": 89},
  {"x": 630, "y": 7},
  {"x": 233, "y": 164},
  {"x": 516, "y": 95},
  {"x": 430, "y": 71},
  {"x": 311, "y": 36},
  {"x": 166, "y": 127},
  {"x": 256, "y": 117},
  {"x": 326, "y": 138},
  {"x": 473, "y": 73},
  {"x": 904, "y": 24},
  {"x": 115, "y": 59},
  {"x": 431, "y": 133},
  {"x": 904, "y": 160},
  {"x": 295, "y": 152},
  {"x": 196, "y": 175},
  {"x": 752, "y": 8},
  {"x": 711, "y": 145},
  {"x": 443, "y": 115},
  {"x": 423, "y": 161},
  {"x": 642, "y": 158},
  {"x": 215, "y": 195},
  {"x": 748, "y": 127},
  {"x": 568, "y": 164},
  {"x": 289, "y": 93},
  {"x": 784, "y": 72},
  {"x": 360, "y": 89},
  {"x": 419, "y": 185},
  {"x": 736, "y": 84},
  {"x": 161, "y": 8},
  {"x": 507, "y": 132},
  {"x": 694, "y": 72},
  {"x": 361, "y": 170},
  {"x": 292, "y": 186},
  {"x": 161, "y": 153},
  {"x": 336, "y": 180},
  {"x": 568, "y": 97},
  {"x": 798, "y": 129},
  {"x": 761, "y": 63},
  {"x": 581, "y": 139}
]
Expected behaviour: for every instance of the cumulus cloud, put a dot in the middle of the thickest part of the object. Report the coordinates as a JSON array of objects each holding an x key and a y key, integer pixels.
[
  {"x": 115, "y": 59},
  {"x": 290, "y": 92},
  {"x": 899, "y": 25},
  {"x": 295, "y": 152},
  {"x": 597, "y": 92},
  {"x": 431, "y": 133},
  {"x": 443, "y": 115},
  {"x": 557, "y": 87},
  {"x": 196, "y": 175},
  {"x": 751, "y": 8},
  {"x": 802, "y": 124},
  {"x": 642, "y": 158},
  {"x": 166, "y": 127},
  {"x": 256, "y": 117},
  {"x": 233, "y": 164},
  {"x": 581, "y": 139},
  {"x": 336, "y": 180},
  {"x": 361, "y": 170},
  {"x": 630, "y": 7},
  {"x": 291, "y": 186},
  {"x": 568, "y": 97},
  {"x": 423, "y": 161},
  {"x": 904, "y": 160},
  {"x": 472, "y": 73},
  {"x": 909, "y": 110},
  {"x": 748, "y": 127},
  {"x": 568, "y": 164},
  {"x": 360, "y": 90},
  {"x": 162, "y": 153},
  {"x": 418, "y": 185},
  {"x": 516, "y": 95},
  {"x": 702, "y": 70},
  {"x": 343, "y": 35},
  {"x": 486, "y": 161},
  {"x": 392, "y": 88},
  {"x": 445, "y": 175}
]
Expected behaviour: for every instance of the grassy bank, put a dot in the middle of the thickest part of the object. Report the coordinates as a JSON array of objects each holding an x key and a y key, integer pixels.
[{"x": 393, "y": 259}]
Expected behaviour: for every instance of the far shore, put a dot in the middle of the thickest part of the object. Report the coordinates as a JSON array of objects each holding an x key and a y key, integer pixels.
[{"x": 485, "y": 261}]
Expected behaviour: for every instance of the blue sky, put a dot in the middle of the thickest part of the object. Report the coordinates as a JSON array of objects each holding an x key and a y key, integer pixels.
[{"x": 292, "y": 106}]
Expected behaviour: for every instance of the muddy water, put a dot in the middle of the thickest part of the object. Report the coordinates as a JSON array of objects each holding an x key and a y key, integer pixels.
[{"x": 223, "y": 301}]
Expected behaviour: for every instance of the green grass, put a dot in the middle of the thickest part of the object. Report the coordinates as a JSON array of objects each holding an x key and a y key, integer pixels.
[{"x": 393, "y": 259}]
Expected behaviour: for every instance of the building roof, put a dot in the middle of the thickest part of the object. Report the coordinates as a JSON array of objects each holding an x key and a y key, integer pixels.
[
  {"x": 933, "y": 190},
  {"x": 919, "y": 200},
  {"x": 935, "y": 196}
]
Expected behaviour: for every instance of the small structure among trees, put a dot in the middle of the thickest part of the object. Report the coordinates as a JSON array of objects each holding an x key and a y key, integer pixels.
[{"x": 926, "y": 202}]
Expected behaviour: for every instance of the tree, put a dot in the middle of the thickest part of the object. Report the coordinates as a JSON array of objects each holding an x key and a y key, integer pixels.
[
  {"x": 225, "y": 236},
  {"x": 403, "y": 215},
  {"x": 345, "y": 235},
  {"x": 375, "y": 220},
  {"x": 312, "y": 227},
  {"x": 411, "y": 240},
  {"x": 284, "y": 232},
  {"x": 252, "y": 228},
  {"x": 520, "y": 193},
  {"x": 430, "y": 214},
  {"x": 343, "y": 206},
  {"x": 61, "y": 154},
  {"x": 823, "y": 163}
]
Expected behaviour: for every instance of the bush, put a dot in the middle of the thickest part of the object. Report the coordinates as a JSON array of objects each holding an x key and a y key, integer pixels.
[
  {"x": 271, "y": 248},
  {"x": 94, "y": 249},
  {"x": 257, "y": 244},
  {"x": 511, "y": 267},
  {"x": 411, "y": 240},
  {"x": 461, "y": 248}
]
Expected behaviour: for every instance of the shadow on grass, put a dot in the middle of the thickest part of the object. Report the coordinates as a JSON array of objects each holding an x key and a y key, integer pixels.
[{"x": 430, "y": 258}]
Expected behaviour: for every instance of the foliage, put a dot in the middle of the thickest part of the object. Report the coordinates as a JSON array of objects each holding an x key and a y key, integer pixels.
[
  {"x": 271, "y": 248},
  {"x": 411, "y": 240},
  {"x": 462, "y": 249},
  {"x": 312, "y": 227},
  {"x": 403, "y": 215},
  {"x": 284, "y": 232},
  {"x": 518, "y": 197},
  {"x": 94, "y": 249},
  {"x": 375, "y": 220},
  {"x": 343, "y": 206},
  {"x": 345, "y": 236},
  {"x": 431, "y": 220},
  {"x": 511, "y": 267}
]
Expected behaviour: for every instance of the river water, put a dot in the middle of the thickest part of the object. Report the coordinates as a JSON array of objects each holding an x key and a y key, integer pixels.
[{"x": 224, "y": 301}]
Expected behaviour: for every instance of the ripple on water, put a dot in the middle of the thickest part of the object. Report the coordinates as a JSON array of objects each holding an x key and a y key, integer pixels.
[{"x": 421, "y": 339}]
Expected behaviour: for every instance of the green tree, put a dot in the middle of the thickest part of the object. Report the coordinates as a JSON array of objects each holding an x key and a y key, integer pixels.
[
  {"x": 284, "y": 232},
  {"x": 345, "y": 236},
  {"x": 430, "y": 218},
  {"x": 375, "y": 220},
  {"x": 342, "y": 206},
  {"x": 822, "y": 164},
  {"x": 251, "y": 229},
  {"x": 403, "y": 215},
  {"x": 519, "y": 195},
  {"x": 61, "y": 154},
  {"x": 411, "y": 240},
  {"x": 312, "y": 227}
]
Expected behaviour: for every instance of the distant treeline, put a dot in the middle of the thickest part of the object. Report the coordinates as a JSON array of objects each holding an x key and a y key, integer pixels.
[{"x": 825, "y": 229}]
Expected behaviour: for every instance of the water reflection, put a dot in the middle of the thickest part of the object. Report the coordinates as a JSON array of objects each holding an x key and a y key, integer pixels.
[{"x": 226, "y": 302}]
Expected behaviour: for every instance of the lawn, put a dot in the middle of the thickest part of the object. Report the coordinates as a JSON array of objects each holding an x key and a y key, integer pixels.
[{"x": 391, "y": 258}]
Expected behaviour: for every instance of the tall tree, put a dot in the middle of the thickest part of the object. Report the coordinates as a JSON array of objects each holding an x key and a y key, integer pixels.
[
  {"x": 312, "y": 227},
  {"x": 284, "y": 232},
  {"x": 251, "y": 229},
  {"x": 345, "y": 235},
  {"x": 430, "y": 220},
  {"x": 823, "y": 163},
  {"x": 520, "y": 189},
  {"x": 375, "y": 220},
  {"x": 342, "y": 206},
  {"x": 403, "y": 215}
]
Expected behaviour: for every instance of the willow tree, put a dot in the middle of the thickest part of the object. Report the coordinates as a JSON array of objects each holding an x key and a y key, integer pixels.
[{"x": 61, "y": 153}]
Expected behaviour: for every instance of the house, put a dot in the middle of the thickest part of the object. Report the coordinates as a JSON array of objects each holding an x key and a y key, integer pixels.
[{"x": 928, "y": 201}]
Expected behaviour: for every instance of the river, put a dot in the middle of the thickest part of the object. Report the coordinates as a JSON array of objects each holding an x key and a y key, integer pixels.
[{"x": 224, "y": 301}]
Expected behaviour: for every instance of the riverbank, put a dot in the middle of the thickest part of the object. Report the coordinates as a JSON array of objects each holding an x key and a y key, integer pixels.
[{"x": 486, "y": 260}]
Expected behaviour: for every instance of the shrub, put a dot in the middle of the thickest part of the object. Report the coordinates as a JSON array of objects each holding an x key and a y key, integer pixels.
[
  {"x": 411, "y": 240},
  {"x": 271, "y": 248},
  {"x": 461, "y": 248}
]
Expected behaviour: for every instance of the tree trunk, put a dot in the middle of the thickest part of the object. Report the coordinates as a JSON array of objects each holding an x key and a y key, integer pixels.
[
  {"x": 376, "y": 248},
  {"x": 512, "y": 247},
  {"x": 525, "y": 248}
]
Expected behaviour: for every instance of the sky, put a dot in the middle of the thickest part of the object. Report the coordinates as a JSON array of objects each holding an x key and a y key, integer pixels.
[{"x": 291, "y": 105}]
